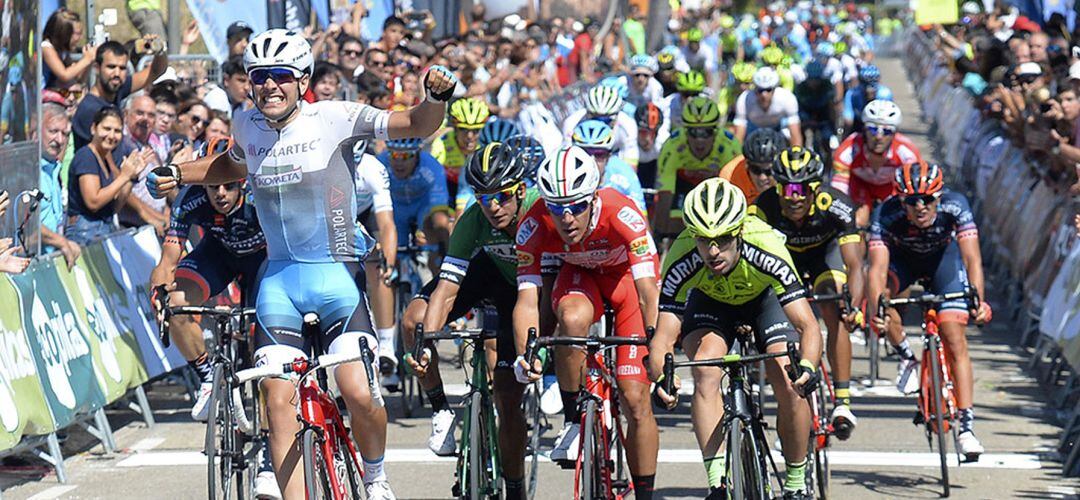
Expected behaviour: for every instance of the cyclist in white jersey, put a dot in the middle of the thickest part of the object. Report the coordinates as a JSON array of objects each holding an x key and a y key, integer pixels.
[
  {"x": 375, "y": 211},
  {"x": 768, "y": 105},
  {"x": 301, "y": 167}
]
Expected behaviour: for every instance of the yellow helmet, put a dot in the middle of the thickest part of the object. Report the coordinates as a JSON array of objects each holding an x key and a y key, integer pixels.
[
  {"x": 700, "y": 112},
  {"x": 690, "y": 82},
  {"x": 469, "y": 113},
  {"x": 714, "y": 208},
  {"x": 727, "y": 22},
  {"x": 772, "y": 55},
  {"x": 666, "y": 60},
  {"x": 743, "y": 72}
]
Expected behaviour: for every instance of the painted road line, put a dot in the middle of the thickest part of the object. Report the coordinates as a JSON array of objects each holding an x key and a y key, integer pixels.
[
  {"x": 147, "y": 444},
  {"x": 54, "y": 492},
  {"x": 1013, "y": 461}
]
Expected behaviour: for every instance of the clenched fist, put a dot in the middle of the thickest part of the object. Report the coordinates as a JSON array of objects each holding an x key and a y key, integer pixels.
[{"x": 439, "y": 83}]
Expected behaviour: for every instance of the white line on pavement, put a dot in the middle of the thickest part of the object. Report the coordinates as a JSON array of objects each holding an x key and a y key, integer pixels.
[
  {"x": 147, "y": 444},
  {"x": 54, "y": 492},
  {"x": 1015, "y": 461}
]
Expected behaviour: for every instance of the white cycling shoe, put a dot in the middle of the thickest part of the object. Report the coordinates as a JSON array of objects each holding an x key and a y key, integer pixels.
[
  {"x": 969, "y": 446},
  {"x": 379, "y": 490},
  {"x": 907, "y": 376},
  {"x": 566, "y": 444},
  {"x": 266, "y": 487},
  {"x": 843, "y": 421},
  {"x": 442, "y": 441},
  {"x": 201, "y": 408}
]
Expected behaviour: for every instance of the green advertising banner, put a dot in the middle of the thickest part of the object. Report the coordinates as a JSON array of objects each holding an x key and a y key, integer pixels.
[
  {"x": 23, "y": 409},
  {"x": 63, "y": 353},
  {"x": 116, "y": 351}
]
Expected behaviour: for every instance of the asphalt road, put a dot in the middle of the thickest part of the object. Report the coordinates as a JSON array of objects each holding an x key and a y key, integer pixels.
[{"x": 888, "y": 456}]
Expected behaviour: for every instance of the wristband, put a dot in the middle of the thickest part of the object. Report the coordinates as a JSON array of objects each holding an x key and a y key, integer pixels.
[{"x": 808, "y": 365}]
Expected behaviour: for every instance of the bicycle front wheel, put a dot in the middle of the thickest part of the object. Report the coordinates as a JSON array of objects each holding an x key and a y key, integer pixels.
[
  {"x": 819, "y": 446},
  {"x": 938, "y": 426},
  {"x": 219, "y": 439},
  {"x": 875, "y": 354},
  {"x": 316, "y": 479},
  {"x": 747, "y": 465},
  {"x": 590, "y": 484},
  {"x": 533, "y": 414},
  {"x": 347, "y": 469}
]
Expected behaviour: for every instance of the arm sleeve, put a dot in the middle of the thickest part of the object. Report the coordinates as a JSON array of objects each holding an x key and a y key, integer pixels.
[
  {"x": 461, "y": 248},
  {"x": 639, "y": 245},
  {"x": 849, "y": 107},
  {"x": 529, "y": 244},
  {"x": 180, "y": 220},
  {"x": 791, "y": 109},
  {"x": 740, "y": 110},
  {"x": 842, "y": 211},
  {"x": 629, "y": 150},
  {"x": 378, "y": 181},
  {"x": 681, "y": 265}
]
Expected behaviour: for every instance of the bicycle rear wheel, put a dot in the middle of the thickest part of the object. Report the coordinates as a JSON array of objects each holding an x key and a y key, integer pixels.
[
  {"x": 533, "y": 414},
  {"x": 219, "y": 439},
  {"x": 938, "y": 426},
  {"x": 316, "y": 479}
]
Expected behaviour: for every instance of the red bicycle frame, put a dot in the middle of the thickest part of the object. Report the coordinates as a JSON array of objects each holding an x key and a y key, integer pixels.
[
  {"x": 599, "y": 385},
  {"x": 319, "y": 411},
  {"x": 821, "y": 427},
  {"x": 926, "y": 403}
]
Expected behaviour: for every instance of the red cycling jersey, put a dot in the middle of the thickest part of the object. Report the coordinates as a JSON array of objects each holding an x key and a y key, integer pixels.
[
  {"x": 616, "y": 251},
  {"x": 854, "y": 174}
]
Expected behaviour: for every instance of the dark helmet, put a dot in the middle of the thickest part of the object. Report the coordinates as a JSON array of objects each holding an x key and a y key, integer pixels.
[
  {"x": 494, "y": 168},
  {"x": 796, "y": 165},
  {"x": 763, "y": 144}
]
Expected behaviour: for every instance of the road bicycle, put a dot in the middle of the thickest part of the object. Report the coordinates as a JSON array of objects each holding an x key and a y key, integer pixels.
[
  {"x": 479, "y": 471},
  {"x": 823, "y": 398},
  {"x": 407, "y": 283},
  {"x": 937, "y": 410},
  {"x": 600, "y": 470},
  {"x": 331, "y": 463},
  {"x": 231, "y": 440},
  {"x": 751, "y": 472}
]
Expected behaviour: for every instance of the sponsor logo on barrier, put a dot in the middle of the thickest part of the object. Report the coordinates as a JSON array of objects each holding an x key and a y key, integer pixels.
[
  {"x": 61, "y": 343},
  {"x": 101, "y": 324}
]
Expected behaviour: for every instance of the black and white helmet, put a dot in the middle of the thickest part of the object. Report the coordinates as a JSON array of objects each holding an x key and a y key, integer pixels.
[
  {"x": 279, "y": 48},
  {"x": 882, "y": 112}
]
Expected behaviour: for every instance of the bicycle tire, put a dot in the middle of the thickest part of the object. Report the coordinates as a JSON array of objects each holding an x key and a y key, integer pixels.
[
  {"x": 937, "y": 426},
  {"x": 316, "y": 480},
  {"x": 476, "y": 447},
  {"x": 588, "y": 485},
  {"x": 748, "y": 470},
  {"x": 875, "y": 354},
  {"x": 347, "y": 468},
  {"x": 533, "y": 413},
  {"x": 210, "y": 439},
  {"x": 821, "y": 470}
]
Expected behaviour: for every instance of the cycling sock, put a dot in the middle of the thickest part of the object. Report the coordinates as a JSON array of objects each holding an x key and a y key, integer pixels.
[
  {"x": 796, "y": 476},
  {"x": 515, "y": 488},
  {"x": 967, "y": 419},
  {"x": 203, "y": 367},
  {"x": 569, "y": 406},
  {"x": 438, "y": 399},
  {"x": 904, "y": 348},
  {"x": 265, "y": 464},
  {"x": 374, "y": 471},
  {"x": 715, "y": 469},
  {"x": 386, "y": 336},
  {"x": 843, "y": 393},
  {"x": 643, "y": 487}
]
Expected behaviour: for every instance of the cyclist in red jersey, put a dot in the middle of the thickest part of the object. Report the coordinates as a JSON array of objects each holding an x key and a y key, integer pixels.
[
  {"x": 865, "y": 163},
  {"x": 584, "y": 247}
]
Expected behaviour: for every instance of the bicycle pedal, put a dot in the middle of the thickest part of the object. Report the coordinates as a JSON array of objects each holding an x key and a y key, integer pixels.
[
  {"x": 620, "y": 484},
  {"x": 918, "y": 419}
]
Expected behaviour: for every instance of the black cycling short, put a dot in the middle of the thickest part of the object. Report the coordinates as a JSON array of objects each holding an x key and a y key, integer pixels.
[
  {"x": 212, "y": 267},
  {"x": 823, "y": 264},
  {"x": 763, "y": 313},
  {"x": 646, "y": 172},
  {"x": 484, "y": 283}
]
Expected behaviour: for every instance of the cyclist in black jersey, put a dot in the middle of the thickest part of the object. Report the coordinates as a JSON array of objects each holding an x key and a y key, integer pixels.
[
  {"x": 819, "y": 108},
  {"x": 232, "y": 248},
  {"x": 819, "y": 222}
]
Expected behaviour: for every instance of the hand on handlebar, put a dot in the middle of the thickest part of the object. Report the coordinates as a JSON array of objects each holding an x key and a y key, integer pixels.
[
  {"x": 854, "y": 319},
  {"x": 660, "y": 395},
  {"x": 524, "y": 374},
  {"x": 419, "y": 366},
  {"x": 984, "y": 314},
  {"x": 804, "y": 378}
]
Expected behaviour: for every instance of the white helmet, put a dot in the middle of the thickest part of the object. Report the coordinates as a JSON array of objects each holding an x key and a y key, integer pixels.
[
  {"x": 882, "y": 112},
  {"x": 568, "y": 176},
  {"x": 766, "y": 78},
  {"x": 279, "y": 48},
  {"x": 603, "y": 100}
]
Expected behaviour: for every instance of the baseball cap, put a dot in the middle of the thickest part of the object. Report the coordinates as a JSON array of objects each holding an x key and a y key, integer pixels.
[
  {"x": 1074, "y": 71},
  {"x": 168, "y": 76},
  {"x": 1030, "y": 68},
  {"x": 236, "y": 29}
]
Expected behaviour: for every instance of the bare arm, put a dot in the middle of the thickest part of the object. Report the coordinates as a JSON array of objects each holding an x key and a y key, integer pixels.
[
  {"x": 442, "y": 300},
  {"x": 878, "y": 273},
  {"x": 151, "y": 72},
  {"x": 214, "y": 170},
  {"x": 649, "y": 297},
  {"x": 387, "y": 236},
  {"x": 67, "y": 74},
  {"x": 165, "y": 271},
  {"x": 419, "y": 121},
  {"x": 97, "y": 197},
  {"x": 795, "y": 129},
  {"x": 851, "y": 254},
  {"x": 802, "y": 318},
  {"x": 972, "y": 257},
  {"x": 526, "y": 316}
]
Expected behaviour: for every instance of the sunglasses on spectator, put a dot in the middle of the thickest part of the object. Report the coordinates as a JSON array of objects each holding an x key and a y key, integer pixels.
[
  {"x": 403, "y": 155},
  {"x": 500, "y": 198},
  {"x": 759, "y": 169},
  {"x": 574, "y": 209},
  {"x": 879, "y": 130},
  {"x": 259, "y": 76},
  {"x": 1028, "y": 79},
  {"x": 598, "y": 153},
  {"x": 700, "y": 132},
  {"x": 195, "y": 120},
  {"x": 351, "y": 53},
  {"x": 914, "y": 199},
  {"x": 796, "y": 191}
]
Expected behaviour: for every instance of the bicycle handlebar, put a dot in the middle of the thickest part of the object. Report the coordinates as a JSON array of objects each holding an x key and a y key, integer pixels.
[
  {"x": 928, "y": 300},
  {"x": 306, "y": 366},
  {"x": 420, "y": 338},
  {"x": 728, "y": 361}
]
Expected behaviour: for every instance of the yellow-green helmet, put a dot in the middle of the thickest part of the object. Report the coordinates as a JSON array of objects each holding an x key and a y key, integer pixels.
[
  {"x": 727, "y": 22},
  {"x": 841, "y": 48},
  {"x": 743, "y": 72},
  {"x": 714, "y": 208},
  {"x": 469, "y": 113},
  {"x": 700, "y": 112},
  {"x": 694, "y": 35},
  {"x": 772, "y": 55},
  {"x": 690, "y": 82}
]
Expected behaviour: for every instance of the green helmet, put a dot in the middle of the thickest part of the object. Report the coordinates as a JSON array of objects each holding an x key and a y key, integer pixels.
[
  {"x": 694, "y": 35},
  {"x": 700, "y": 112},
  {"x": 743, "y": 72},
  {"x": 714, "y": 208},
  {"x": 772, "y": 55},
  {"x": 690, "y": 82}
]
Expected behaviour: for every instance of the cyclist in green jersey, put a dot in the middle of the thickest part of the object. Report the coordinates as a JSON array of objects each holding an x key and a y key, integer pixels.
[
  {"x": 726, "y": 270},
  {"x": 480, "y": 265}
]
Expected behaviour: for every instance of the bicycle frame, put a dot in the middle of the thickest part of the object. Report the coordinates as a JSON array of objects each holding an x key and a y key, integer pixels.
[{"x": 926, "y": 405}]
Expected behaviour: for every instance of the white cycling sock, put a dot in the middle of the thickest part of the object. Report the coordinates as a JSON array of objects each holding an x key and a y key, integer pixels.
[
  {"x": 374, "y": 471},
  {"x": 387, "y": 337}
]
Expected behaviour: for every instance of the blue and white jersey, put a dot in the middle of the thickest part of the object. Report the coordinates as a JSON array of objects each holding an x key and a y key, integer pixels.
[
  {"x": 622, "y": 178},
  {"x": 425, "y": 187},
  {"x": 303, "y": 178}
]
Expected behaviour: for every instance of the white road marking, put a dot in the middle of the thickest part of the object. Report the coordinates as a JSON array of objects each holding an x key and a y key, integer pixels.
[
  {"x": 1014, "y": 461},
  {"x": 147, "y": 444},
  {"x": 54, "y": 492}
]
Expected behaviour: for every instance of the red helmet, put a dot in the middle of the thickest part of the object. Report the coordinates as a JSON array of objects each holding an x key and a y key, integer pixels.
[{"x": 918, "y": 178}]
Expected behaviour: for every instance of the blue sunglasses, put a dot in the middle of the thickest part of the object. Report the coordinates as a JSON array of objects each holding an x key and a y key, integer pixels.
[
  {"x": 575, "y": 209},
  {"x": 259, "y": 76}
]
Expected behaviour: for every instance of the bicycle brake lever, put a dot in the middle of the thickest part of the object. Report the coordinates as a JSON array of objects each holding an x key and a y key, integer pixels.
[
  {"x": 530, "y": 347},
  {"x": 793, "y": 358},
  {"x": 366, "y": 356},
  {"x": 418, "y": 344}
]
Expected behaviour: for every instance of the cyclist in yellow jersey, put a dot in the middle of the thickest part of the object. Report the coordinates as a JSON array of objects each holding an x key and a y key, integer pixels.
[
  {"x": 723, "y": 271},
  {"x": 693, "y": 153},
  {"x": 467, "y": 117}
]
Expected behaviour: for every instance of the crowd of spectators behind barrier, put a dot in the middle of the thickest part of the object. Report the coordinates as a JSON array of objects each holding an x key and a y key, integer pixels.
[
  {"x": 100, "y": 140},
  {"x": 1027, "y": 78}
]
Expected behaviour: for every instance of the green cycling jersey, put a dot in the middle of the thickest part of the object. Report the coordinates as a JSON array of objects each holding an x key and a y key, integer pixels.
[{"x": 473, "y": 234}]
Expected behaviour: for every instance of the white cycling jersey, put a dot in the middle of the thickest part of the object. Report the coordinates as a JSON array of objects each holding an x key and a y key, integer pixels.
[
  {"x": 303, "y": 178},
  {"x": 783, "y": 110},
  {"x": 625, "y": 134},
  {"x": 372, "y": 186}
]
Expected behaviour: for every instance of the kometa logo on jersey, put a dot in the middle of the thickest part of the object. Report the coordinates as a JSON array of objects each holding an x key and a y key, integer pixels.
[
  {"x": 631, "y": 218},
  {"x": 526, "y": 230},
  {"x": 279, "y": 176}
]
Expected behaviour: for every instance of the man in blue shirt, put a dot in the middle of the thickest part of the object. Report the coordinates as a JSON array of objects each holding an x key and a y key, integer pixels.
[{"x": 54, "y": 138}]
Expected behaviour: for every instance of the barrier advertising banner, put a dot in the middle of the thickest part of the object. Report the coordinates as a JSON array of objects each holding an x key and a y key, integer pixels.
[{"x": 23, "y": 409}]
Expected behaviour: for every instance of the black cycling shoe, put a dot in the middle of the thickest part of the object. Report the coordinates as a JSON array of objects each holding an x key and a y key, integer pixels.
[
  {"x": 720, "y": 493},
  {"x": 797, "y": 495}
]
